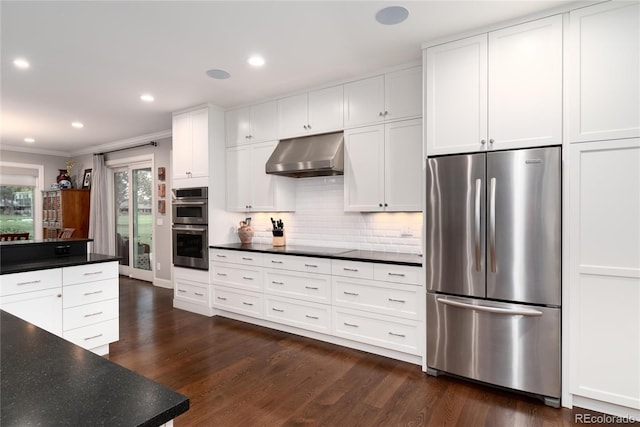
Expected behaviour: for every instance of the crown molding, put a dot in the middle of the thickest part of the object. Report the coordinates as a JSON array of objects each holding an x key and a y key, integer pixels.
[
  {"x": 124, "y": 143},
  {"x": 34, "y": 150}
]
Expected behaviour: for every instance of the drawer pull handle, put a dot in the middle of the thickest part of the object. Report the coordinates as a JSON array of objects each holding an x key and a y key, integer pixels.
[
  {"x": 247, "y": 258},
  {"x": 247, "y": 303},
  {"x": 222, "y": 274},
  {"x": 397, "y": 300},
  {"x": 350, "y": 324},
  {"x": 397, "y": 335},
  {"x": 93, "y": 337},
  {"x": 350, "y": 293},
  {"x": 93, "y": 314},
  {"x": 311, "y": 317},
  {"x": 277, "y": 283},
  {"x": 222, "y": 298},
  {"x": 276, "y": 262},
  {"x": 355, "y": 270},
  {"x": 313, "y": 288},
  {"x": 199, "y": 294},
  {"x": 92, "y": 293},
  {"x": 182, "y": 290},
  {"x": 221, "y": 256},
  {"x": 92, "y": 273},
  {"x": 33, "y": 282},
  {"x": 247, "y": 278},
  {"x": 278, "y": 310},
  {"x": 396, "y": 274},
  {"x": 311, "y": 265}
]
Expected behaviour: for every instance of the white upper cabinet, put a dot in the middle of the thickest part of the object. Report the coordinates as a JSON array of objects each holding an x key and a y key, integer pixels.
[
  {"x": 249, "y": 188},
  {"x": 495, "y": 91},
  {"x": 318, "y": 111},
  {"x": 604, "y": 65},
  {"x": 392, "y": 96},
  {"x": 190, "y": 145},
  {"x": 383, "y": 167},
  {"x": 251, "y": 124}
]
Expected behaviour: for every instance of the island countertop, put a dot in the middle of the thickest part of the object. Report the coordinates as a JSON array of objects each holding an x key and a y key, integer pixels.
[{"x": 45, "y": 380}]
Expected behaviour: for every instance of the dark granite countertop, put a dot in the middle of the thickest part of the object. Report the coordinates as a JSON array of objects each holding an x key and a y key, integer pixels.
[
  {"x": 41, "y": 241},
  {"x": 43, "y": 264},
  {"x": 45, "y": 380},
  {"x": 326, "y": 252}
]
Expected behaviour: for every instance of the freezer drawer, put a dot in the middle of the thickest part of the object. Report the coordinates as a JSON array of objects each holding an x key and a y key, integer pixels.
[{"x": 510, "y": 345}]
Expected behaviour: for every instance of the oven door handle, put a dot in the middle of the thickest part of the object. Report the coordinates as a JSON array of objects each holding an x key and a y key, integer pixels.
[
  {"x": 198, "y": 229},
  {"x": 185, "y": 202}
]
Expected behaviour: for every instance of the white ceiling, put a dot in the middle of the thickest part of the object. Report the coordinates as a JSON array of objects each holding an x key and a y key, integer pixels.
[{"x": 90, "y": 61}]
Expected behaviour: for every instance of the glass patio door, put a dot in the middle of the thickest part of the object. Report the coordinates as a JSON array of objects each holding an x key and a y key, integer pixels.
[{"x": 133, "y": 201}]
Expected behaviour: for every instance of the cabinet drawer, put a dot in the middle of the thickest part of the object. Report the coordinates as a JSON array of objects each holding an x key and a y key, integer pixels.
[
  {"x": 87, "y": 293},
  {"x": 393, "y": 333},
  {"x": 397, "y": 273},
  {"x": 237, "y": 301},
  {"x": 89, "y": 273},
  {"x": 306, "y": 286},
  {"x": 378, "y": 297},
  {"x": 236, "y": 257},
  {"x": 30, "y": 281},
  {"x": 306, "y": 315},
  {"x": 298, "y": 263},
  {"x": 88, "y": 314},
  {"x": 360, "y": 270},
  {"x": 95, "y": 335},
  {"x": 236, "y": 276},
  {"x": 192, "y": 292}
]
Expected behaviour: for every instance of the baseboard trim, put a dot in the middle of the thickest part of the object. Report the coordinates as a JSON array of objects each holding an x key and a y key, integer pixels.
[{"x": 163, "y": 283}]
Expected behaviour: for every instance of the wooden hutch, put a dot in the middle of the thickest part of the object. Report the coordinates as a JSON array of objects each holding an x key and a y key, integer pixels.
[{"x": 65, "y": 209}]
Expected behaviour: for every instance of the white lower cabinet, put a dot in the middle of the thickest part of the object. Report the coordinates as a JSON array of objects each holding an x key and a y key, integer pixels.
[
  {"x": 372, "y": 306},
  {"x": 191, "y": 290}
]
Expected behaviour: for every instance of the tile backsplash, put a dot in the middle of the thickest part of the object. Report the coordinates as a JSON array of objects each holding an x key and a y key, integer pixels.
[{"x": 320, "y": 220}]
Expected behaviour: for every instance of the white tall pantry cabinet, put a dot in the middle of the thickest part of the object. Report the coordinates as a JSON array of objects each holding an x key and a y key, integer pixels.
[{"x": 604, "y": 208}]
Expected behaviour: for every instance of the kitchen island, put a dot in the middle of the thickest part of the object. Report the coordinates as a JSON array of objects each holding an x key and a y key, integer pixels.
[{"x": 45, "y": 380}]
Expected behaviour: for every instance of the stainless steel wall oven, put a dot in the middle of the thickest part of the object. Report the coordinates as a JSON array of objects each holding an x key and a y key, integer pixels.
[{"x": 190, "y": 230}]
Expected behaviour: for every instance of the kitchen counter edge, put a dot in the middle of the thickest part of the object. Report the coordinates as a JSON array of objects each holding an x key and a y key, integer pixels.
[{"x": 45, "y": 264}]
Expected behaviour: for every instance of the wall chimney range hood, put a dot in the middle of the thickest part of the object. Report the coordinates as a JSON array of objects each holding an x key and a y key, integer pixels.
[{"x": 308, "y": 156}]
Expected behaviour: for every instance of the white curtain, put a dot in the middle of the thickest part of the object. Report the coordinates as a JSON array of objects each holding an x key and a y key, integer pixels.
[{"x": 99, "y": 218}]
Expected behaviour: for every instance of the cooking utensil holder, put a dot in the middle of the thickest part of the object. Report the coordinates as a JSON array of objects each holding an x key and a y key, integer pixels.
[
  {"x": 279, "y": 238},
  {"x": 245, "y": 234}
]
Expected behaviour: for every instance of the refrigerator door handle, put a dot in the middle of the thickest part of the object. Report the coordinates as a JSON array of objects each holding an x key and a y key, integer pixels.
[
  {"x": 496, "y": 310},
  {"x": 477, "y": 224},
  {"x": 492, "y": 225}
]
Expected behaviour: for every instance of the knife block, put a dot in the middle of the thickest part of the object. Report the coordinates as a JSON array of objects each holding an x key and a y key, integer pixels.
[{"x": 279, "y": 238}]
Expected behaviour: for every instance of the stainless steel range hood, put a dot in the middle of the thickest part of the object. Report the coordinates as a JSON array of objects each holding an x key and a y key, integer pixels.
[{"x": 317, "y": 155}]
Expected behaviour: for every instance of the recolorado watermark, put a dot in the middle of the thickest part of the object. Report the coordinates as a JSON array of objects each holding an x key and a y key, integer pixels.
[{"x": 603, "y": 419}]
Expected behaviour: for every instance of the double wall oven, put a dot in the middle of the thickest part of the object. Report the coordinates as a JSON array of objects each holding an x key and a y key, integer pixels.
[{"x": 190, "y": 230}]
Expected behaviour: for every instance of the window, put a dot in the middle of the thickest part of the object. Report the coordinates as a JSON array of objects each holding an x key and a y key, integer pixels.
[{"x": 20, "y": 200}]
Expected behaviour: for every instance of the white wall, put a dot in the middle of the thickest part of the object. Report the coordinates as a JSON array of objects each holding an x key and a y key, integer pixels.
[
  {"x": 320, "y": 220},
  {"x": 51, "y": 163}
]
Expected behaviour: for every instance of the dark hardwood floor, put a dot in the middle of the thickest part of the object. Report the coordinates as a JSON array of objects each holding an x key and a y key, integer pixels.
[{"x": 238, "y": 374}]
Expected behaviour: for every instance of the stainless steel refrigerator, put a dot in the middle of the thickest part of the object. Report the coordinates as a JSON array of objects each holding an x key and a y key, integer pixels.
[{"x": 493, "y": 253}]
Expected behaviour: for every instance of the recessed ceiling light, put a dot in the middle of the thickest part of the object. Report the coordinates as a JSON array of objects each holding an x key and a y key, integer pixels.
[
  {"x": 29, "y": 140},
  {"x": 392, "y": 15},
  {"x": 147, "y": 97},
  {"x": 218, "y": 74},
  {"x": 21, "y": 63},
  {"x": 77, "y": 125},
  {"x": 256, "y": 61}
]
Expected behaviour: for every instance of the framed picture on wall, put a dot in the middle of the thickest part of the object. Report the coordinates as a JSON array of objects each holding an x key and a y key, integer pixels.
[
  {"x": 86, "y": 179},
  {"x": 161, "y": 173},
  {"x": 161, "y": 190},
  {"x": 162, "y": 206}
]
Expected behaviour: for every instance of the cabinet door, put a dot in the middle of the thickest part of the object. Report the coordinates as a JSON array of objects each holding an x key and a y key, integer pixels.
[
  {"x": 364, "y": 169},
  {"x": 200, "y": 143},
  {"x": 403, "y": 94},
  {"x": 181, "y": 134},
  {"x": 42, "y": 308},
  {"x": 456, "y": 96},
  {"x": 238, "y": 162},
  {"x": 238, "y": 126},
  {"x": 364, "y": 102},
  {"x": 263, "y": 185},
  {"x": 604, "y": 66},
  {"x": 604, "y": 268},
  {"x": 264, "y": 122},
  {"x": 403, "y": 166},
  {"x": 525, "y": 84},
  {"x": 292, "y": 116},
  {"x": 326, "y": 110}
]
